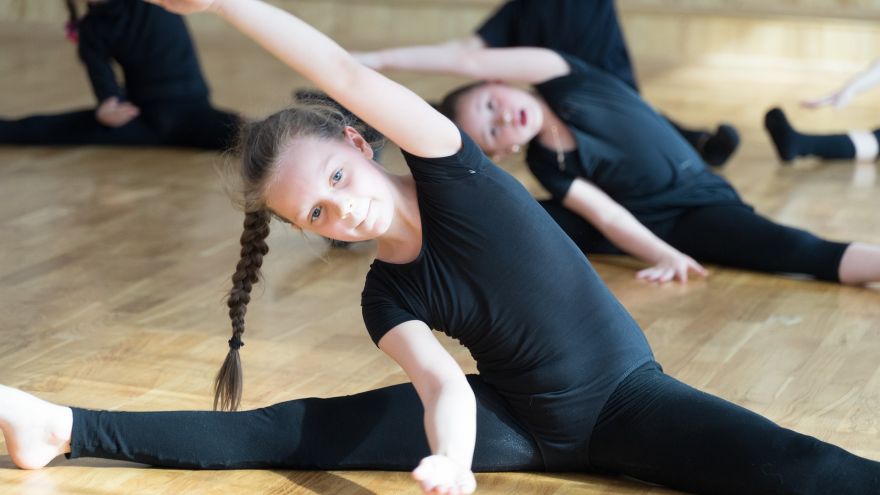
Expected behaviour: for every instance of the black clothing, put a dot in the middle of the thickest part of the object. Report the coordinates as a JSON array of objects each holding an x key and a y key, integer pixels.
[
  {"x": 378, "y": 429},
  {"x": 729, "y": 235},
  {"x": 587, "y": 29},
  {"x": 790, "y": 144},
  {"x": 624, "y": 147},
  {"x": 655, "y": 175},
  {"x": 170, "y": 123},
  {"x": 590, "y": 31},
  {"x": 554, "y": 367},
  {"x": 162, "y": 78},
  {"x": 151, "y": 45},
  {"x": 564, "y": 385},
  {"x": 657, "y": 429},
  {"x": 652, "y": 428}
]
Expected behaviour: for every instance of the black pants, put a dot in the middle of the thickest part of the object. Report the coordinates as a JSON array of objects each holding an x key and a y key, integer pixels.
[
  {"x": 729, "y": 235},
  {"x": 653, "y": 428},
  {"x": 167, "y": 123}
]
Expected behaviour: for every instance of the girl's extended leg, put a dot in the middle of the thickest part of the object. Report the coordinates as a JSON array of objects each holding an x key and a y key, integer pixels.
[
  {"x": 734, "y": 235},
  {"x": 379, "y": 429},
  {"x": 790, "y": 144},
  {"x": 74, "y": 128},
  {"x": 657, "y": 429}
]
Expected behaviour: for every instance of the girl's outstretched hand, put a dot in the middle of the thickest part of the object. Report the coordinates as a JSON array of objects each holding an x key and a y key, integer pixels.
[
  {"x": 184, "y": 6},
  {"x": 674, "y": 266},
  {"x": 838, "y": 99},
  {"x": 440, "y": 475}
]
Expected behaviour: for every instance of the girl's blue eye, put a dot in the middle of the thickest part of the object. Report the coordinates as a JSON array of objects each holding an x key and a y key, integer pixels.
[
  {"x": 489, "y": 105},
  {"x": 337, "y": 176},
  {"x": 315, "y": 214},
  {"x": 493, "y": 132}
]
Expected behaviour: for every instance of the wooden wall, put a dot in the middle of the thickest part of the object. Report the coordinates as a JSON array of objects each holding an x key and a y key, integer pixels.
[{"x": 835, "y": 34}]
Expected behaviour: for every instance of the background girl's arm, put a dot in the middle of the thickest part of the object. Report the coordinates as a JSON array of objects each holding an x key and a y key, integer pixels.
[
  {"x": 420, "y": 57},
  {"x": 863, "y": 81},
  {"x": 519, "y": 64},
  {"x": 390, "y": 108},
  {"x": 621, "y": 228},
  {"x": 450, "y": 406}
]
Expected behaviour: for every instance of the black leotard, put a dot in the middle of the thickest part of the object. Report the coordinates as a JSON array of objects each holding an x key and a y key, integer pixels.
[
  {"x": 624, "y": 147},
  {"x": 588, "y": 29},
  {"x": 152, "y": 45},
  {"x": 496, "y": 273}
]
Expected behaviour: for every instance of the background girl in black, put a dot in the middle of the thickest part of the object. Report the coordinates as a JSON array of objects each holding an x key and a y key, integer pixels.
[
  {"x": 623, "y": 180},
  {"x": 587, "y": 29},
  {"x": 562, "y": 387},
  {"x": 165, "y": 100}
]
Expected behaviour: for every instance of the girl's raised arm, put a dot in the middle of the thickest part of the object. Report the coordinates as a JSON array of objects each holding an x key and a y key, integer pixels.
[
  {"x": 390, "y": 108},
  {"x": 470, "y": 59}
]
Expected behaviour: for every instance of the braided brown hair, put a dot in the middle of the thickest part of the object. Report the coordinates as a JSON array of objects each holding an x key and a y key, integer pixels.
[{"x": 260, "y": 144}]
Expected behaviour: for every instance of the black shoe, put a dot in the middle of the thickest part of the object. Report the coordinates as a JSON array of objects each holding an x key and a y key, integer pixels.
[{"x": 720, "y": 146}]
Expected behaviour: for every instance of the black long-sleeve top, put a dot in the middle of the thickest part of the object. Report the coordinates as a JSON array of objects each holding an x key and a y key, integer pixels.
[{"x": 152, "y": 45}]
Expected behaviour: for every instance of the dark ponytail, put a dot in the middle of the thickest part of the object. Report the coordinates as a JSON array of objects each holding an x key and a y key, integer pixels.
[{"x": 228, "y": 384}]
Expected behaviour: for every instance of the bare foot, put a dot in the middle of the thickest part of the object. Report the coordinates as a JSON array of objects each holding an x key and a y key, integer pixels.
[{"x": 36, "y": 431}]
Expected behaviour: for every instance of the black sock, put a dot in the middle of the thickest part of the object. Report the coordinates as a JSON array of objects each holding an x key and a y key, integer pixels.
[
  {"x": 791, "y": 144},
  {"x": 715, "y": 148}
]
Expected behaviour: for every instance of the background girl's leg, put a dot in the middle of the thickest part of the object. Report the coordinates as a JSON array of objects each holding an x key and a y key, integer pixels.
[
  {"x": 74, "y": 128},
  {"x": 379, "y": 429},
  {"x": 194, "y": 124},
  {"x": 734, "y": 235},
  {"x": 791, "y": 144},
  {"x": 657, "y": 429}
]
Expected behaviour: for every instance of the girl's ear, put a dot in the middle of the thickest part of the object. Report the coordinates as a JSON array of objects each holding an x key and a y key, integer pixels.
[{"x": 358, "y": 141}]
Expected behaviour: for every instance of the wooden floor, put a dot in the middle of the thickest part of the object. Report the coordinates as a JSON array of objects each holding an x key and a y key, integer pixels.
[{"x": 115, "y": 262}]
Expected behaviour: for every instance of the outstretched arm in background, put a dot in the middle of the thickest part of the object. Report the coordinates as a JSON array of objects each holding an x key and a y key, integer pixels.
[
  {"x": 627, "y": 233},
  {"x": 390, "y": 108},
  {"x": 862, "y": 81}
]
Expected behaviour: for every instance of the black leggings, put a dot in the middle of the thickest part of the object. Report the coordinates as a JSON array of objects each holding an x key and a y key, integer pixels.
[
  {"x": 729, "y": 235},
  {"x": 653, "y": 428},
  {"x": 168, "y": 123}
]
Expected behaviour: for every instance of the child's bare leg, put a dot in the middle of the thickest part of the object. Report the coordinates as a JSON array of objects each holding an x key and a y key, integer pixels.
[
  {"x": 860, "y": 264},
  {"x": 36, "y": 431}
]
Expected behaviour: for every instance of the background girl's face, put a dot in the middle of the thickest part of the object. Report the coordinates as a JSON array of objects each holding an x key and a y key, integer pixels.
[
  {"x": 499, "y": 117},
  {"x": 332, "y": 188}
]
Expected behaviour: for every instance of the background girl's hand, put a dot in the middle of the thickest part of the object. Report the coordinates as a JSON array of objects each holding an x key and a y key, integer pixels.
[
  {"x": 183, "y": 6},
  {"x": 113, "y": 113},
  {"x": 440, "y": 475},
  {"x": 673, "y": 266},
  {"x": 837, "y": 99}
]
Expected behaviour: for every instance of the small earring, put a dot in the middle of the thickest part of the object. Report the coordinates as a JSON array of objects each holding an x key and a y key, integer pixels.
[{"x": 514, "y": 148}]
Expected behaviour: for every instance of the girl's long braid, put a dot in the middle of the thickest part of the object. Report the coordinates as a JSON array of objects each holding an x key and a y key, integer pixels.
[{"x": 228, "y": 384}]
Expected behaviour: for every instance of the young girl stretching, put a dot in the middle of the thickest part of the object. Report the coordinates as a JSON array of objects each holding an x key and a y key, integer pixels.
[
  {"x": 165, "y": 99},
  {"x": 621, "y": 178},
  {"x": 562, "y": 387}
]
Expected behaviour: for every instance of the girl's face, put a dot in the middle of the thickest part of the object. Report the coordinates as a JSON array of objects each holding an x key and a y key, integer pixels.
[
  {"x": 332, "y": 188},
  {"x": 499, "y": 118}
]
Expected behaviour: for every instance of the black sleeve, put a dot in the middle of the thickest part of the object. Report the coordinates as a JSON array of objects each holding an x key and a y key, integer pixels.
[
  {"x": 499, "y": 30},
  {"x": 545, "y": 167},
  {"x": 94, "y": 51},
  {"x": 466, "y": 161},
  {"x": 380, "y": 311}
]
